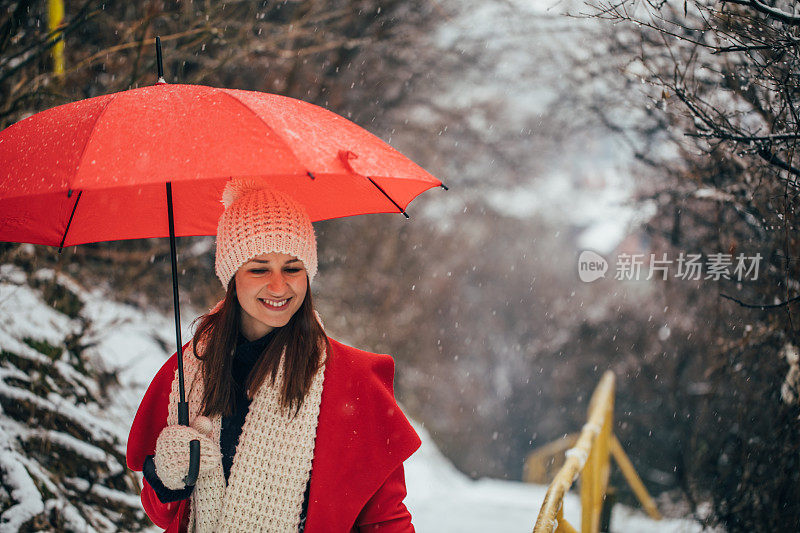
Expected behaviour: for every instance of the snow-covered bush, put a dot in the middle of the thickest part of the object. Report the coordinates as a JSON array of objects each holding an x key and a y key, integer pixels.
[{"x": 62, "y": 463}]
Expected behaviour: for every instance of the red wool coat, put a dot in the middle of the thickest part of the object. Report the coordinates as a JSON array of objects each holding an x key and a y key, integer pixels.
[{"x": 357, "y": 481}]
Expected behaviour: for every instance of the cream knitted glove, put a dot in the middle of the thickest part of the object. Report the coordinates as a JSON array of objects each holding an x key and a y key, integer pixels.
[{"x": 172, "y": 452}]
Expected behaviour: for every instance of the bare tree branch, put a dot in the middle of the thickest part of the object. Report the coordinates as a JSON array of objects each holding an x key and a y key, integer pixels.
[
  {"x": 763, "y": 307},
  {"x": 777, "y": 14}
]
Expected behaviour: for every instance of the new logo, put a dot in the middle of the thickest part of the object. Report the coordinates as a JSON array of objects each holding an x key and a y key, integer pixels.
[{"x": 591, "y": 266}]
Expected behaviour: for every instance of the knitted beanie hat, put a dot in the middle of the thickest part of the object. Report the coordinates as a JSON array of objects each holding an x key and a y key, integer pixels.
[{"x": 259, "y": 220}]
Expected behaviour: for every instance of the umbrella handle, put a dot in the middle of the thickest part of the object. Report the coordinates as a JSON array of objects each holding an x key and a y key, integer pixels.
[
  {"x": 194, "y": 447},
  {"x": 194, "y": 463}
]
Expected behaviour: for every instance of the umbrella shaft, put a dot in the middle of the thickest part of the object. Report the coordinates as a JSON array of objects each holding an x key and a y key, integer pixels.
[
  {"x": 158, "y": 59},
  {"x": 183, "y": 407}
]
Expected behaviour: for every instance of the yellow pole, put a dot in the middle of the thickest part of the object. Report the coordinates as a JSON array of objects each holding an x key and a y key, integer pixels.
[
  {"x": 594, "y": 478},
  {"x": 587, "y": 492},
  {"x": 633, "y": 478},
  {"x": 603, "y": 461},
  {"x": 590, "y": 460},
  {"x": 601, "y": 407},
  {"x": 55, "y": 16},
  {"x": 563, "y": 525}
]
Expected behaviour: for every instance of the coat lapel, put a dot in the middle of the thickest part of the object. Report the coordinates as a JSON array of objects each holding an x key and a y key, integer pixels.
[{"x": 362, "y": 437}]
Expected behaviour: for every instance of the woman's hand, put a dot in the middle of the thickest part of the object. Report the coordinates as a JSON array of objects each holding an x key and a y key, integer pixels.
[{"x": 172, "y": 451}]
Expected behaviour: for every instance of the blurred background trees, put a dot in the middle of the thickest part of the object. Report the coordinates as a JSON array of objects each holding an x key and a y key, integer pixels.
[{"x": 722, "y": 83}]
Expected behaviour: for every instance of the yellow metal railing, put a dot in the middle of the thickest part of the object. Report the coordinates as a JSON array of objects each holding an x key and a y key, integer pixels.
[
  {"x": 543, "y": 463},
  {"x": 588, "y": 459}
]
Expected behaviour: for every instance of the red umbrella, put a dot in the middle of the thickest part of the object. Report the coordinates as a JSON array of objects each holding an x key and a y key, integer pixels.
[
  {"x": 95, "y": 170},
  {"x": 152, "y": 162}
]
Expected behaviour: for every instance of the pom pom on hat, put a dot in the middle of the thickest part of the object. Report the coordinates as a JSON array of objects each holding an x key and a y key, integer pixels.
[
  {"x": 237, "y": 188},
  {"x": 259, "y": 220}
]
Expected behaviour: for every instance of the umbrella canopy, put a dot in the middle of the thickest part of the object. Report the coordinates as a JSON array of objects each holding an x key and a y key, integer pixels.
[{"x": 95, "y": 170}]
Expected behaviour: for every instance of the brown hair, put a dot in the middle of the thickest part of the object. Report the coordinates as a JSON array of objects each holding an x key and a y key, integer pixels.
[{"x": 218, "y": 332}]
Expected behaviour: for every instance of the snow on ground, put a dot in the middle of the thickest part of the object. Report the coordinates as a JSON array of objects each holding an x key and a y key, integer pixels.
[
  {"x": 61, "y": 456},
  {"x": 137, "y": 342},
  {"x": 442, "y": 499}
]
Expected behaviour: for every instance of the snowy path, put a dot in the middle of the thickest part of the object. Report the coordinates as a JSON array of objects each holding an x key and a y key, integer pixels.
[{"x": 443, "y": 500}]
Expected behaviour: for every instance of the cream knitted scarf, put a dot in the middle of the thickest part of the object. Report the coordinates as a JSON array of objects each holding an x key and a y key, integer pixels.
[{"x": 272, "y": 464}]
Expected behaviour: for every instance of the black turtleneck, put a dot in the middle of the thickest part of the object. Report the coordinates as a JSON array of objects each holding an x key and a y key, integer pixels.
[{"x": 244, "y": 360}]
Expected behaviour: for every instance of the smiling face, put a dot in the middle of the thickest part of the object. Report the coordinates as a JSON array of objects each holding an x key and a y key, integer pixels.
[{"x": 270, "y": 288}]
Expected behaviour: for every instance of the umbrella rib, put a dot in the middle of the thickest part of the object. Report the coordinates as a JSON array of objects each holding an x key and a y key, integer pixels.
[
  {"x": 403, "y": 211},
  {"x": 69, "y": 223},
  {"x": 80, "y": 161},
  {"x": 345, "y": 156}
]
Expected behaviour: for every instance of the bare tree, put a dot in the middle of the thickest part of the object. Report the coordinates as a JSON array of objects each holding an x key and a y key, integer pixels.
[{"x": 722, "y": 83}]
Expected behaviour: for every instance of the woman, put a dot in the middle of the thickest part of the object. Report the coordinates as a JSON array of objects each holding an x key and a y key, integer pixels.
[{"x": 297, "y": 431}]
